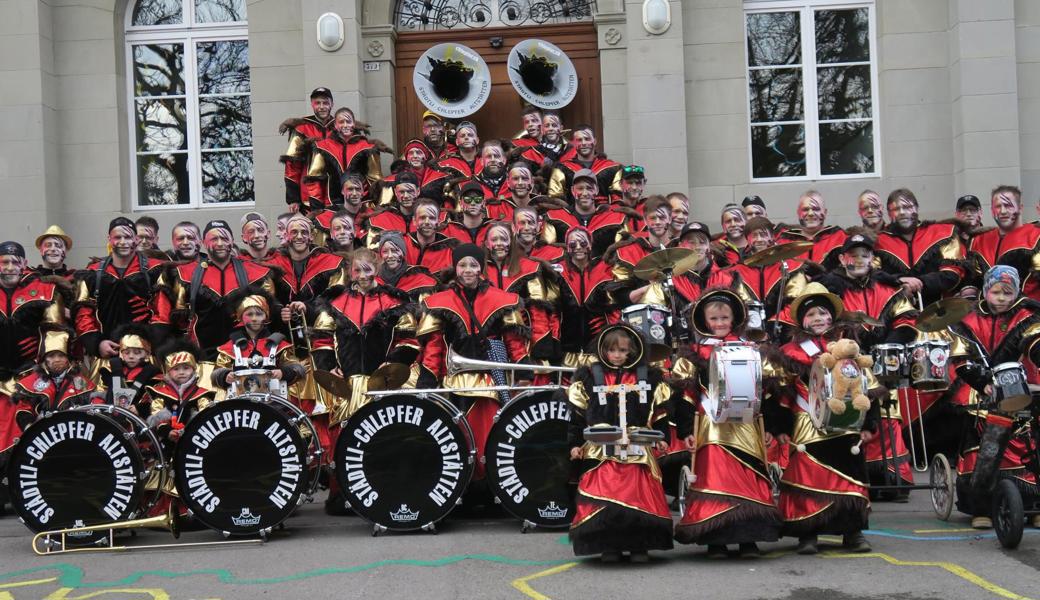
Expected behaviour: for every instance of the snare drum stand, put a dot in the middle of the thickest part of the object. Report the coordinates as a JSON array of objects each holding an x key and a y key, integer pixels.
[{"x": 622, "y": 390}]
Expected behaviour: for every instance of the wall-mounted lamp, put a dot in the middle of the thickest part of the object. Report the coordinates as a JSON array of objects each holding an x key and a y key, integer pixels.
[
  {"x": 330, "y": 32},
  {"x": 657, "y": 16}
]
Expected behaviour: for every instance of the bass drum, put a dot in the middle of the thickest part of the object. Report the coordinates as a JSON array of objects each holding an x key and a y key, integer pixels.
[
  {"x": 528, "y": 460},
  {"x": 404, "y": 461},
  {"x": 80, "y": 467},
  {"x": 242, "y": 465}
]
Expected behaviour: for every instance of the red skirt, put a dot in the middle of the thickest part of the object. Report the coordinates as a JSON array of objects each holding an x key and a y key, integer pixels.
[
  {"x": 816, "y": 497},
  {"x": 620, "y": 507},
  {"x": 897, "y": 461}
]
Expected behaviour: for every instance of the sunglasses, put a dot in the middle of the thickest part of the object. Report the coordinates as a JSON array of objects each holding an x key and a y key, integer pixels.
[
  {"x": 576, "y": 245},
  {"x": 472, "y": 199},
  {"x": 632, "y": 170}
]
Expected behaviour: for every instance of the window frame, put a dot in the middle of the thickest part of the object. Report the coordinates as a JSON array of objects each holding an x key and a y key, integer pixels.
[
  {"x": 810, "y": 92},
  {"x": 189, "y": 35}
]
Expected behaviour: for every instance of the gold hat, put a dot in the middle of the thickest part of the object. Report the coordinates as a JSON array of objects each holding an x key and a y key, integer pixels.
[
  {"x": 429, "y": 114},
  {"x": 174, "y": 359},
  {"x": 252, "y": 301},
  {"x": 132, "y": 340},
  {"x": 55, "y": 231},
  {"x": 813, "y": 291},
  {"x": 54, "y": 341}
]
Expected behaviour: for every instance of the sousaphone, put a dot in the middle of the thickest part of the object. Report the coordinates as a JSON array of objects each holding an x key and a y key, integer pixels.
[
  {"x": 452, "y": 80},
  {"x": 542, "y": 74}
]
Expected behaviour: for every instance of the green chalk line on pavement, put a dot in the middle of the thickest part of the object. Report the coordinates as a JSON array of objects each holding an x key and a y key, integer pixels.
[{"x": 73, "y": 576}]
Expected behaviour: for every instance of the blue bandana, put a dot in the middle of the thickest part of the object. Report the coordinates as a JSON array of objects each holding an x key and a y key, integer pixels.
[{"x": 1002, "y": 274}]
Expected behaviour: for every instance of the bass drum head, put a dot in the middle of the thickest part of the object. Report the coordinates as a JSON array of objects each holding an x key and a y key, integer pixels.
[
  {"x": 404, "y": 462},
  {"x": 73, "y": 469},
  {"x": 819, "y": 392},
  {"x": 240, "y": 466},
  {"x": 528, "y": 460}
]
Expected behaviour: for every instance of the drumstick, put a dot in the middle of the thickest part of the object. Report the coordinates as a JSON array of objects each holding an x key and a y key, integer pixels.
[{"x": 855, "y": 449}]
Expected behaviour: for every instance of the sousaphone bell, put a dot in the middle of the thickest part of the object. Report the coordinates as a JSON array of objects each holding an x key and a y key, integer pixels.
[
  {"x": 452, "y": 80},
  {"x": 542, "y": 74}
]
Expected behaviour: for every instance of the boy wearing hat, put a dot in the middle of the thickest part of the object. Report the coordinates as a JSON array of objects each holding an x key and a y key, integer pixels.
[
  {"x": 54, "y": 245},
  {"x": 256, "y": 234},
  {"x": 56, "y": 383},
  {"x": 303, "y": 132},
  {"x": 399, "y": 214},
  {"x": 252, "y": 345},
  {"x": 600, "y": 220},
  {"x": 118, "y": 289},
  {"x": 124, "y": 377},
  {"x": 177, "y": 397},
  {"x": 472, "y": 217}
]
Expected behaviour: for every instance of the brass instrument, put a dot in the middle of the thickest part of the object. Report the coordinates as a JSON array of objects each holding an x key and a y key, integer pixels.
[
  {"x": 298, "y": 330},
  {"x": 459, "y": 364},
  {"x": 43, "y": 543}
]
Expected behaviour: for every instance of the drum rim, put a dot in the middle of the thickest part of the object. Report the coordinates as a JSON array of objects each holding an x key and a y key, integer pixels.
[
  {"x": 505, "y": 501},
  {"x": 253, "y": 399},
  {"x": 457, "y": 418},
  {"x": 136, "y": 455}
]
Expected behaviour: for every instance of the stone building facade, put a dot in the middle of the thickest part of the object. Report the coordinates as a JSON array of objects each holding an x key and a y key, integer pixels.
[{"x": 952, "y": 98}]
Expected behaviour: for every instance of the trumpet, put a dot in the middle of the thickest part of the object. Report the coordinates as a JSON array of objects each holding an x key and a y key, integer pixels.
[
  {"x": 44, "y": 543},
  {"x": 458, "y": 364},
  {"x": 298, "y": 329}
]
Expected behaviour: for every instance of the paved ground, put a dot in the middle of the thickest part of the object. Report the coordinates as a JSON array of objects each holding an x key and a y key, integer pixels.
[{"x": 915, "y": 556}]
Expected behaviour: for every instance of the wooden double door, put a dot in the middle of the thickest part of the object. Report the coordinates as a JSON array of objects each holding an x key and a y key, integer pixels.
[{"x": 500, "y": 116}]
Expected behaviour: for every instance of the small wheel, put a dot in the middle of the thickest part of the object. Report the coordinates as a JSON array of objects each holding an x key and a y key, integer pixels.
[
  {"x": 685, "y": 481},
  {"x": 1009, "y": 516},
  {"x": 943, "y": 486}
]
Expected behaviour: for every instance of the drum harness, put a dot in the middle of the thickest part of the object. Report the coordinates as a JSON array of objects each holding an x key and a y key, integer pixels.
[{"x": 621, "y": 389}]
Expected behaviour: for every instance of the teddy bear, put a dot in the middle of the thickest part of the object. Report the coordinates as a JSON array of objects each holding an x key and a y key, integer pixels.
[{"x": 846, "y": 365}]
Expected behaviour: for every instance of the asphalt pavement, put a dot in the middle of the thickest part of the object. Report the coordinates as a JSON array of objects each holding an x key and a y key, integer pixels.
[{"x": 485, "y": 556}]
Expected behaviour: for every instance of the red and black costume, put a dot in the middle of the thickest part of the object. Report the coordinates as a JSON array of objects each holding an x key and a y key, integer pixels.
[
  {"x": 334, "y": 157},
  {"x": 435, "y": 256},
  {"x": 1018, "y": 248},
  {"x": 603, "y": 224},
  {"x": 826, "y": 243},
  {"x": 933, "y": 253},
  {"x": 762, "y": 284},
  {"x": 608, "y": 177},
  {"x": 1012, "y": 336},
  {"x": 620, "y": 503},
  {"x": 40, "y": 391},
  {"x": 585, "y": 306},
  {"x": 303, "y": 134},
  {"x": 305, "y": 279},
  {"x": 535, "y": 283},
  {"x": 107, "y": 297},
  {"x": 196, "y": 294}
]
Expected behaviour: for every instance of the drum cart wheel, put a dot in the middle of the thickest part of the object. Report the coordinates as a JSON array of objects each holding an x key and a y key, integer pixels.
[
  {"x": 943, "y": 486},
  {"x": 686, "y": 480},
  {"x": 1008, "y": 514}
]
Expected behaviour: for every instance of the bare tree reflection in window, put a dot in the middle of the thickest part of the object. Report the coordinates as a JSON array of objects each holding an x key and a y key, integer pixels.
[
  {"x": 162, "y": 179},
  {"x": 778, "y": 150},
  {"x": 219, "y": 11},
  {"x": 225, "y": 122},
  {"x": 157, "y": 12},
  {"x": 774, "y": 39},
  {"x": 227, "y": 176},
  {"x": 223, "y": 67},
  {"x": 847, "y": 148},
  {"x": 413, "y": 15},
  {"x": 842, "y": 35},
  {"x": 158, "y": 69},
  {"x": 776, "y": 95},
  {"x": 844, "y": 92}
]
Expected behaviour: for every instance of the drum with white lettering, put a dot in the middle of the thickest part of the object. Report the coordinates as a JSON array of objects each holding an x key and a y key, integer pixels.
[
  {"x": 77, "y": 468},
  {"x": 242, "y": 466},
  {"x": 404, "y": 461},
  {"x": 528, "y": 461}
]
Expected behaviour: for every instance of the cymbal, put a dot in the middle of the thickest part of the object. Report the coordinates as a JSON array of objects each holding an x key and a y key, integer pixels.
[
  {"x": 662, "y": 260},
  {"x": 777, "y": 253},
  {"x": 390, "y": 376},
  {"x": 332, "y": 383},
  {"x": 940, "y": 315},
  {"x": 857, "y": 316},
  {"x": 685, "y": 265}
]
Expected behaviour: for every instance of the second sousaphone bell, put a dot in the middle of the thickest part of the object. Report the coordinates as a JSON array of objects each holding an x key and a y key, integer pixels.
[{"x": 542, "y": 74}]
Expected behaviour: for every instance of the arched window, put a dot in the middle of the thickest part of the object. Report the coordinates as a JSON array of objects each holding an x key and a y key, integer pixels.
[
  {"x": 188, "y": 101},
  {"x": 416, "y": 15}
]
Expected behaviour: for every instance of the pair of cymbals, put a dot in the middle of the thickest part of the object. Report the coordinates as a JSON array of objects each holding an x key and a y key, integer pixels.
[
  {"x": 777, "y": 253},
  {"x": 387, "y": 377}
]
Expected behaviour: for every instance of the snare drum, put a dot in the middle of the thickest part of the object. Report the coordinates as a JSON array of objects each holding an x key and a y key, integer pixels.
[
  {"x": 528, "y": 460},
  {"x": 241, "y": 465},
  {"x": 927, "y": 360},
  {"x": 255, "y": 381},
  {"x": 1010, "y": 388},
  {"x": 889, "y": 362},
  {"x": 821, "y": 388},
  {"x": 652, "y": 320},
  {"x": 404, "y": 461},
  {"x": 81, "y": 467},
  {"x": 734, "y": 383}
]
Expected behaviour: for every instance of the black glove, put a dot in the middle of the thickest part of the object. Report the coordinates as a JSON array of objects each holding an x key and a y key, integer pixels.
[{"x": 975, "y": 375}]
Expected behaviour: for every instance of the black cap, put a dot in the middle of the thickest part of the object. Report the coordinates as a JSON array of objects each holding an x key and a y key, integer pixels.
[
  {"x": 406, "y": 177},
  {"x": 121, "y": 222},
  {"x": 471, "y": 186},
  {"x": 967, "y": 200},
  {"x": 756, "y": 200},
  {"x": 857, "y": 240},
  {"x": 12, "y": 249},
  {"x": 463, "y": 250},
  {"x": 217, "y": 224},
  {"x": 694, "y": 227},
  {"x": 633, "y": 172},
  {"x": 321, "y": 92}
]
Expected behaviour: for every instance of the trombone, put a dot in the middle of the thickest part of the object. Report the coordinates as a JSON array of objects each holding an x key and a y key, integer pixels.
[
  {"x": 459, "y": 364},
  {"x": 298, "y": 329},
  {"x": 55, "y": 541}
]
